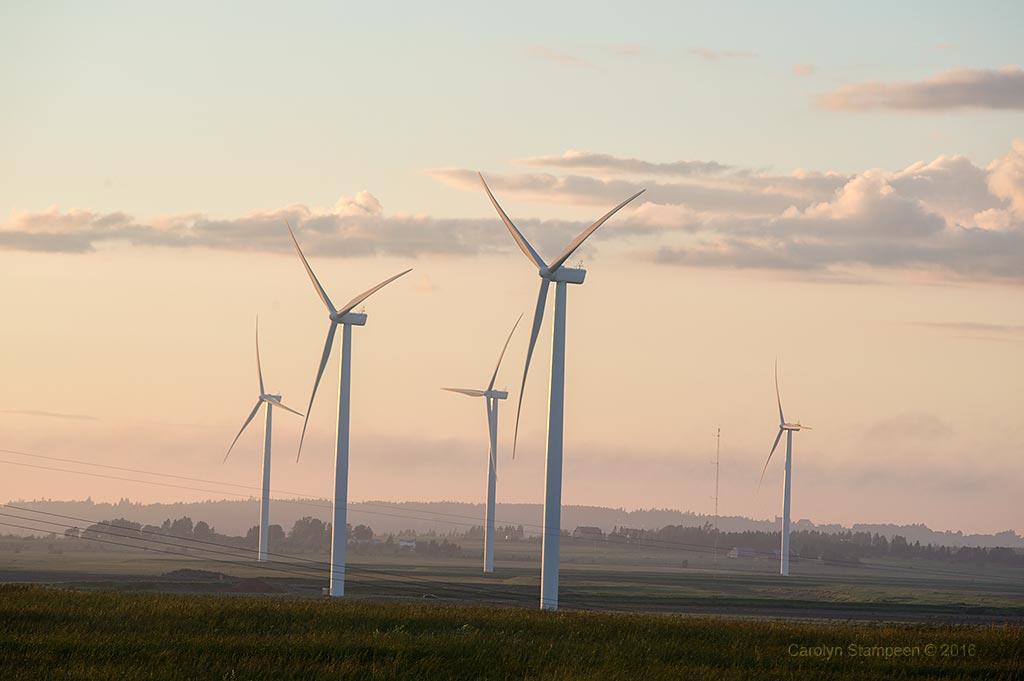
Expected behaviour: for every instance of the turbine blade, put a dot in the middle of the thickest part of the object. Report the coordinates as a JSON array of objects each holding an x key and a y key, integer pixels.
[
  {"x": 575, "y": 243},
  {"x": 252, "y": 415},
  {"x": 312, "y": 277},
  {"x": 319, "y": 373},
  {"x": 466, "y": 391},
  {"x": 277, "y": 403},
  {"x": 782, "y": 419},
  {"x": 777, "y": 438},
  {"x": 490, "y": 386},
  {"x": 259, "y": 367},
  {"x": 538, "y": 318},
  {"x": 350, "y": 305},
  {"x": 524, "y": 245}
]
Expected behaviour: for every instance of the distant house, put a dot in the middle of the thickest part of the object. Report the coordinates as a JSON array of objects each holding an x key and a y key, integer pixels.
[
  {"x": 740, "y": 552},
  {"x": 406, "y": 544},
  {"x": 585, "y": 532}
]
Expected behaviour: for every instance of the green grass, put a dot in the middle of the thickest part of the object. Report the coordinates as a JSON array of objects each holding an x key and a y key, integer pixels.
[
  {"x": 893, "y": 591},
  {"x": 46, "y": 633}
]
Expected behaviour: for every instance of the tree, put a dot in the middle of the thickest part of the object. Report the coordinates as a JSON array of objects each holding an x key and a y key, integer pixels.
[
  {"x": 899, "y": 546},
  {"x": 310, "y": 534},
  {"x": 275, "y": 535},
  {"x": 182, "y": 527},
  {"x": 202, "y": 531},
  {"x": 252, "y": 537},
  {"x": 113, "y": 530},
  {"x": 72, "y": 533},
  {"x": 362, "y": 533}
]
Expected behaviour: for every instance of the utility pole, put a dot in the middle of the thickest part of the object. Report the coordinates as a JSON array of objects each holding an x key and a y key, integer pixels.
[{"x": 718, "y": 455}]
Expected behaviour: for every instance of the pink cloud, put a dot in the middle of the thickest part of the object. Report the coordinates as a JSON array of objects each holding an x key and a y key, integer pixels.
[{"x": 958, "y": 89}]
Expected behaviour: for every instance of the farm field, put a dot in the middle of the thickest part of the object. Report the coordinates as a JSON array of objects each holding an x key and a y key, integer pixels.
[
  {"x": 55, "y": 633},
  {"x": 616, "y": 581}
]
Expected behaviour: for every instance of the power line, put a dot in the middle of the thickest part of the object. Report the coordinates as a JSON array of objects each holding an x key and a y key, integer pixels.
[
  {"x": 644, "y": 543},
  {"x": 260, "y": 566},
  {"x": 474, "y": 519},
  {"x": 397, "y": 580},
  {"x": 647, "y": 541},
  {"x": 234, "y": 550},
  {"x": 355, "y": 507}
]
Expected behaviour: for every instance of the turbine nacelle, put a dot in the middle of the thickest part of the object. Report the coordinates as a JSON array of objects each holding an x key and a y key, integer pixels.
[
  {"x": 350, "y": 318},
  {"x": 569, "y": 275},
  {"x": 793, "y": 426},
  {"x": 267, "y": 397},
  {"x": 472, "y": 392}
]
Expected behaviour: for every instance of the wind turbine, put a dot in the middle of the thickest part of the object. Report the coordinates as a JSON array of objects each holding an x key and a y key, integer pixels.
[
  {"x": 788, "y": 429},
  {"x": 271, "y": 401},
  {"x": 347, "y": 319},
  {"x": 491, "y": 398},
  {"x": 555, "y": 272}
]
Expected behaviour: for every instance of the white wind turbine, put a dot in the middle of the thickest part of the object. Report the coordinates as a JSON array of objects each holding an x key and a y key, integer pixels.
[
  {"x": 271, "y": 401},
  {"x": 555, "y": 272},
  {"x": 789, "y": 429},
  {"x": 491, "y": 398},
  {"x": 347, "y": 319}
]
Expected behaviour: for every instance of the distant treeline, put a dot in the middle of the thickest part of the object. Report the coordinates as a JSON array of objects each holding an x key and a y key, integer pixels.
[
  {"x": 312, "y": 535},
  {"x": 307, "y": 535},
  {"x": 840, "y": 547},
  {"x": 235, "y": 517}
]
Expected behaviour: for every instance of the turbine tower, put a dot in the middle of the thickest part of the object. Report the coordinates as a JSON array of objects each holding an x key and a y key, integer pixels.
[
  {"x": 555, "y": 272},
  {"x": 345, "y": 317},
  {"x": 788, "y": 429},
  {"x": 491, "y": 397},
  {"x": 271, "y": 401}
]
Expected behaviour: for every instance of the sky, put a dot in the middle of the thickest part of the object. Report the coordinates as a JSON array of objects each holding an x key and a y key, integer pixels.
[{"x": 836, "y": 187}]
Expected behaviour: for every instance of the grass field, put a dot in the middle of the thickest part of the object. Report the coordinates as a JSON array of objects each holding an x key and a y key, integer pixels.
[
  {"x": 891, "y": 591},
  {"x": 85, "y": 611},
  {"x": 50, "y": 633}
]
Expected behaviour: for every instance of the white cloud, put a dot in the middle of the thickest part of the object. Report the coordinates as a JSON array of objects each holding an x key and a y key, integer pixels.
[
  {"x": 606, "y": 163},
  {"x": 1006, "y": 177},
  {"x": 958, "y": 89},
  {"x": 949, "y": 185},
  {"x": 946, "y": 216},
  {"x": 995, "y": 219},
  {"x": 355, "y": 226},
  {"x": 922, "y": 218},
  {"x": 868, "y": 205},
  {"x": 739, "y": 193},
  {"x": 363, "y": 204}
]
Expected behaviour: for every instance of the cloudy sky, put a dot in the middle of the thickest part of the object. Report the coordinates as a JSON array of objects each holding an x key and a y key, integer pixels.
[{"x": 841, "y": 188}]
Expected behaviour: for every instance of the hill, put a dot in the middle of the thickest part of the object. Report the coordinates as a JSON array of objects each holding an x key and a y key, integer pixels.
[{"x": 235, "y": 517}]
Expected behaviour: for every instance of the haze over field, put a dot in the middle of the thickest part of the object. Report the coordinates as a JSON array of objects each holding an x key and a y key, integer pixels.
[
  {"x": 852, "y": 207},
  {"x": 443, "y": 518}
]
